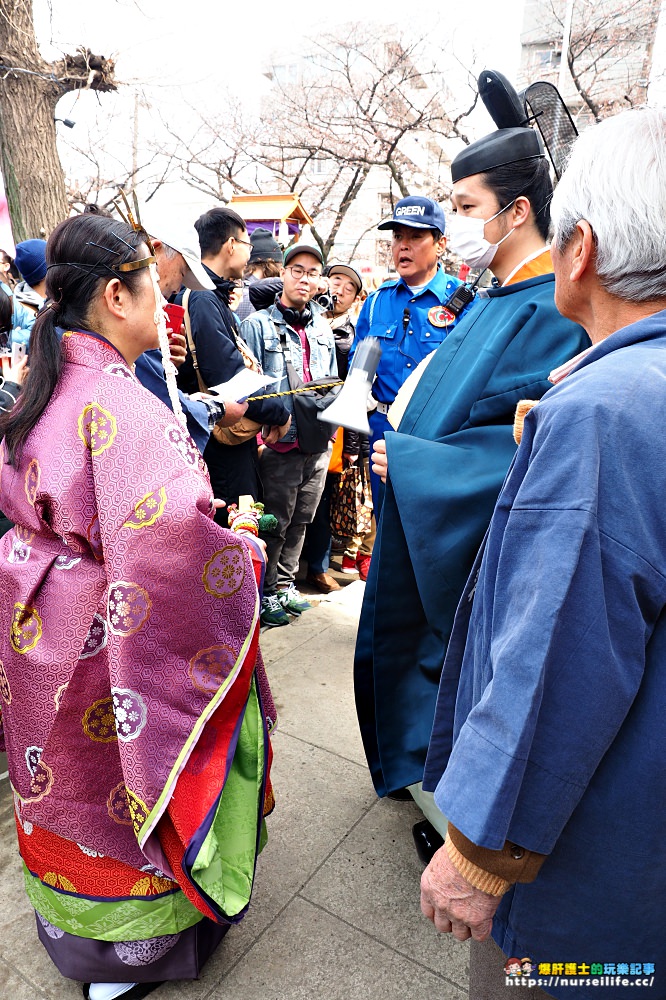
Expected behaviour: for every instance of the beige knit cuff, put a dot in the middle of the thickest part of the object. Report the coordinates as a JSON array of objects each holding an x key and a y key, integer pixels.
[{"x": 480, "y": 879}]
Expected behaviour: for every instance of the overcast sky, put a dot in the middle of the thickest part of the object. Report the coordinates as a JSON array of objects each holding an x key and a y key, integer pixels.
[
  {"x": 180, "y": 54},
  {"x": 199, "y": 42}
]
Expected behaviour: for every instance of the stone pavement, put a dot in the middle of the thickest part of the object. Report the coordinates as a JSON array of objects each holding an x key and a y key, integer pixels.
[{"x": 335, "y": 913}]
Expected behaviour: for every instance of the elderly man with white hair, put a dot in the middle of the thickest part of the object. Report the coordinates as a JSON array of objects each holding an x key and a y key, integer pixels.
[{"x": 548, "y": 751}]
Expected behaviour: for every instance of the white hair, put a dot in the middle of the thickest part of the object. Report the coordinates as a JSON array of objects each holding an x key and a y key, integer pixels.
[
  {"x": 168, "y": 251},
  {"x": 616, "y": 181}
]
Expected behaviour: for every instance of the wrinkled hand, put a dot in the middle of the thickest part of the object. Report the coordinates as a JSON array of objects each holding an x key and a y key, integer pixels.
[
  {"x": 178, "y": 348},
  {"x": 380, "y": 460},
  {"x": 454, "y": 906},
  {"x": 233, "y": 411},
  {"x": 18, "y": 372}
]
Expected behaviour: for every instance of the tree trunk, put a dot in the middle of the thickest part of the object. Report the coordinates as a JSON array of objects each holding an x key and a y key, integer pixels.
[
  {"x": 33, "y": 175},
  {"x": 34, "y": 179},
  {"x": 30, "y": 88}
]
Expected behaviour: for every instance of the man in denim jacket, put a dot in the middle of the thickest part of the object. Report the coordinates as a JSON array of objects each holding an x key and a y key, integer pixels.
[{"x": 293, "y": 479}]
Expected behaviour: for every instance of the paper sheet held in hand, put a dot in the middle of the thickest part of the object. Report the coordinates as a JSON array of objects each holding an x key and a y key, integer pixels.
[{"x": 244, "y": 383}]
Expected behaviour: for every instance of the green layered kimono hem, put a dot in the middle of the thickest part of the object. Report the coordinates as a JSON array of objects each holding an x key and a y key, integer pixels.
[
  {"x": 224, "y": 867},
  {"x": 115, "y": 920}
]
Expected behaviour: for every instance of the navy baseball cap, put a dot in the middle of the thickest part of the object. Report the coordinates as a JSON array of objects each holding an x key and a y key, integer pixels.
[{"x": 417, "y": 212}]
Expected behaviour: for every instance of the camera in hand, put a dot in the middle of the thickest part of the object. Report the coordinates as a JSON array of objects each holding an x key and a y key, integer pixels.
[{"x": 326, "y": 300}]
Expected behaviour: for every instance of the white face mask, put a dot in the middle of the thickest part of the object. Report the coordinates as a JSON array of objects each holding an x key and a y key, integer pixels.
[{"x": 466, "y": 238}]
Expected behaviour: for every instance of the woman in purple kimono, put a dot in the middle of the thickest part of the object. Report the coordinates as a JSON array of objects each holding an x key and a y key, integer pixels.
[{"x": 132, "y": 691}]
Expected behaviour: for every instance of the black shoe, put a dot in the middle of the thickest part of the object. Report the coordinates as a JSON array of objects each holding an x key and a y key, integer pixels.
[
  {"x": 427, "y": 840},
  {"x": 399, "y": 795},
  {"x": 138, "y": 991}
]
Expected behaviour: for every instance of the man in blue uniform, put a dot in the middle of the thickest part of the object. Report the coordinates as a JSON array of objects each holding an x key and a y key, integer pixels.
[
  {"x": 408, "y": 315},
  {"x": 548, "y": 748},
  {"x": 455, "y": 443}
]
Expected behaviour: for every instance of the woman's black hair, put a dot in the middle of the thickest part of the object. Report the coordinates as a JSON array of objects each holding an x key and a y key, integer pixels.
[
  {"x": 82, "y": 255},
  {"x": 528, "y": 179}
]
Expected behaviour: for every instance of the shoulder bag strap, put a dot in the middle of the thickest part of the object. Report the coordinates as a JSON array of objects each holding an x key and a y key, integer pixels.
[
  {"x": 190, "y": 339},
  {"x": 294, "y": 379}
]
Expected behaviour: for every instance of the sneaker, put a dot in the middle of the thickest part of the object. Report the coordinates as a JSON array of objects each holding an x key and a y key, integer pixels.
[
  {"x": 363, "y": 566},
  {"x": 292, "y": 601},
  {"x": 349, "y": 564},
  {"x": 272, "y": 612}
]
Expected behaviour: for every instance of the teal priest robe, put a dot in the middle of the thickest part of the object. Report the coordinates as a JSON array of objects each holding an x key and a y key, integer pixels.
[{"x": 446, "y": 467}]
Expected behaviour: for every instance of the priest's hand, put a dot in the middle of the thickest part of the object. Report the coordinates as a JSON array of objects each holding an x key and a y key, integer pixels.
[
  {"x": 380, "y": 460},
  {"x": 454, "y": 906}
]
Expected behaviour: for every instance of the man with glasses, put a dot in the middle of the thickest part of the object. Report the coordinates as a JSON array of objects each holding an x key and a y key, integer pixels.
[
  {"x": 412, "y": 314},
  {"x": 225, "y": 250},
  {"x": 293, "y": 479}
]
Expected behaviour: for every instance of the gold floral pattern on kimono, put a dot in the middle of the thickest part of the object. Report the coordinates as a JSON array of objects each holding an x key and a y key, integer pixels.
[
  {"x": 32, "y": 477},
  {"x": 26, "y": 628},
  {"x": 99, "y": 721},
  {"x": 138, "y": 810},
  {"x": 224, "y": 572},
  {"x": 25, "y": 534},
  {"x": 41, "y": 782},
  {"x": 58, "y": 881},
  {"x": 117, "y": 805},
  {"x": 97, "y": 428},
  {"x": 211, "y": 666},
  {"x": 94, "y": 536},
  {"x": 5, "y": 690},
  {"x": 128, "y": 608},
  {"x": 152, "y": 885},
  {"x": 147, "y": 510}
]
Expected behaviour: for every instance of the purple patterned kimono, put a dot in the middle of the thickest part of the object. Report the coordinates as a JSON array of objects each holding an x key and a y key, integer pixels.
[{"x": 137, "y": 746}]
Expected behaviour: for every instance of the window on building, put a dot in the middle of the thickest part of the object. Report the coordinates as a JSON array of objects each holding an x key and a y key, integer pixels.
[
  {"x": 286, "y": 73},
  {"x": 385, "y": 205},
  {"x": 546, "y": 60}
]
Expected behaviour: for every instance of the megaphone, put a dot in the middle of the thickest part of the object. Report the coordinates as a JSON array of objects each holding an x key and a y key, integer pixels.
[{"x": 349, "y": 408}]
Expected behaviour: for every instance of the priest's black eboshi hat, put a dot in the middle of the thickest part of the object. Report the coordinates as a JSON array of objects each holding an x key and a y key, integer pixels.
[{"x": 514, "y": 139}]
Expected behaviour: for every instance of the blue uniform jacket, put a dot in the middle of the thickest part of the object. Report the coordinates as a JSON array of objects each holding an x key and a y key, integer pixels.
[
  {"x": 446, "y": 467},
  {"x": 403, "y": 347},
  {"x": 550, "y": 716}
]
